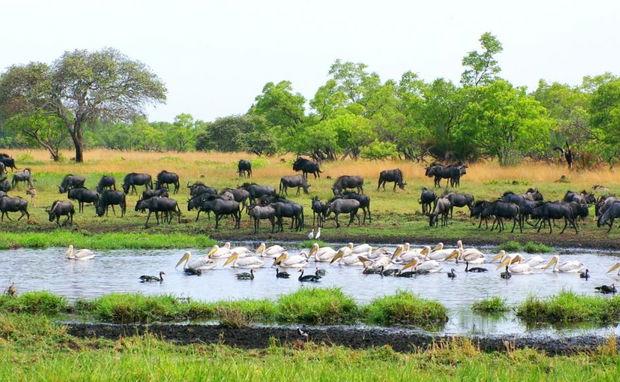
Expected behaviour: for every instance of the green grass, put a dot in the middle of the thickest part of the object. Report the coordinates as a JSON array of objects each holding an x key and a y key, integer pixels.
[
  {"x": 493, "y": 305},
  {"x": 317, "y": 306},
  {"x": 309, "y": 243},
  {"x": 569, "y": 307},
  {"x": 528, "y": 247},
  {"x": 34, "y": 302},
  {"x": 406, "y": 308}
]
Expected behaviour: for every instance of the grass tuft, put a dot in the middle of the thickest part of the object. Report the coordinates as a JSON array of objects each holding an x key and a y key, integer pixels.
[
  {"x": 34, "y": 302},
  {"x": 317, "y": 306},
  {"x": 406, "y": 308},
  {"x": 569, "y": 307},
  {"x": 529, "y": 247},
  {"x": 493, "y": 305}
]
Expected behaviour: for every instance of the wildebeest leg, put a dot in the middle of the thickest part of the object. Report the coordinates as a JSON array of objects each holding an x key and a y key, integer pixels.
[
  {"x": 565, "y": 225},
  {"x": 113, "y": 210},
  {"x": 255, "y": 224},
  {"x": 198, "y": 215},
  {"x": 611, "y": 224},
  {"x": 58, "y": 220},
  {"x": 272, "y": 220},
  {"x": 7, "y": 215},
  {"x": 514, "y": 224},
  {"x": 217, "y": 220},
  {"x": 146, "y": 224},
  {"x": 71, "y": 216},
  {"x": 575, "y": 225},
  {"x": 336, "y": 219}
]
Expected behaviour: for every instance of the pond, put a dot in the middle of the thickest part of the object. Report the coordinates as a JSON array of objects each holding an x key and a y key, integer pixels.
[{"x": 118, "y": 271}]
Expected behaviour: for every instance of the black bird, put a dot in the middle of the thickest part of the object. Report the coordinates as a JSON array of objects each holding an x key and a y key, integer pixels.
[
  {"x": 193, "y": 272},
  {"x": 308, "y": 278},
  {"x": 585, "y": 275},
  {"x": 389, "y": 272},
  {"x": 246, "y": 275},
  {"x": 282, "y": 275},
  {"x": 320, "y": 272},
  {"x": 452, "y": 274},
  {"x": 373, "y": 271},
  {"x": 474, "y": 269},
  {"x": 302, "y": 333},
  {"x": 607, "y": 288},
  {"x": 147, "y": 278},
  {"x": 406, "y": 274},
  {"x": 506, "y": 275}
]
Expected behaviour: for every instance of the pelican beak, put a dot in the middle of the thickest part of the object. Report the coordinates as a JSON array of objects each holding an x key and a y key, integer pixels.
[
  {"x": 425, "y": 251},
  {"x": 314, "y": 249},
  {"x": 497, "y": 257},
  {"x": 280, "y": 259},
  {"x": 337, "y": 256},
  {"x": 410, "y": 264},
  {"x": 232, "y": 258},
  {"x": 437, "y": 247},
  {"x": 453, "y": 255},
  {"x": 398, "y": 251},
  {"x": 550, "y": 263},
  {"x": 516, "y": 259},
  {"x": 503, "y": 263},
  {"x": 212, "y": 251},
  {"x": 261, "y": 248},
  {"x": 614, "y": 267},
  {"x": 184, "y": 258},
  {"x": 362, "y": 259}
]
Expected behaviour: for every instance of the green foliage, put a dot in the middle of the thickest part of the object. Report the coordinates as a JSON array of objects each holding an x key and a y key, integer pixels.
[
  {"x": 529, "y": 247},
  {"x": 568, "y": 307},
  {"x": 279, "y": 105},
  {"x": 33, "y": 302},
  {"x": 605, "y": 118},
  {"x": 379, "y": 150},
  {"x": 317, "y": 306},
  {"x": 482, "y": 68},
  {"x": 406, "y": 308},
  {"x": 493, "y": 305}
]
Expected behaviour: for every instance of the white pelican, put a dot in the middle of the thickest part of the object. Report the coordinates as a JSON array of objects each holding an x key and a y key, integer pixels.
[
  {"x": 196, "y": 265},
  {"x": 441, "y": 254},
  {"x": 218, "y": 252},
  {"x": 409, "y": 254},
  {"x": 474, "y": 258},
  {"x": 324, "y": 254},
  {"x": 273, "y": 251},
  {"x": 82, "y": 254},
  {"x": 346, "y": 257},
  {"x": 376, "y": 263},
  {"x": 613, "y": 268},
  {"x": 515, "y": 265},
  {"x": 295, "y": 261},
  {"x": 467, "y": 251},
  {"x": 244, "y": 262},
  {"x": 429, "y": 266},
  {"x": 318, "y": 233},
  {"x": 360, "y": 249},
  {"x": 572, "y": 266}
]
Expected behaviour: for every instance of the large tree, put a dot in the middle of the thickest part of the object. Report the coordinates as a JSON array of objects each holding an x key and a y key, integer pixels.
[
  {"x": 80, "y": 88},
  {"x": 605, "y": 119},
  {"x": 482, "y": 67}
]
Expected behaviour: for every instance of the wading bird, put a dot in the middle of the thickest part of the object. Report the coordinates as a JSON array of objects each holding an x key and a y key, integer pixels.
[
  {"x": 607, "y": 289},
  {"x": 197, "y": 265},
  {"x": 82, "y": 254},
  {"x": 147, "y": 278},
  {"x": 572, "y": 266},
  {"x": 308, "y": 278},
  {"x": 246, "y": 275}
]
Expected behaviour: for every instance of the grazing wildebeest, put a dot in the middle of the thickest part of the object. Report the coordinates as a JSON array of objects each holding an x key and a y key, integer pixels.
[
  {"x": 162, "y": 192},
  {"x": 8, "y": 204},
  {"x": 255, "y": 191},
  {"x": 394, "y": 175},
  {"x": 240, "y": 195},
  {"x": 452, "y": 173},
  {"x": 482, "y": 209},
  {"x": 24, "y": 175},
  {"x": 503, "y": 210},
  {"x": 106, "y": 182},
  {"x": 244, "y": 168},
  {"x": 459, "y": 200},
  {"x": 262, "y": 212},
  {"x": 339, "y": 206},
  {"x": 318, "y": 209},
  {"x": 555, "y": 210},
  {"x": 427, "y": 200},
  {"x": 5, "y": 185},
  {"x": 364, "y": 203},
  {"x": 289, "y": 210},
  {"x": 61, "y": 208},
  {"x": 157, "y": 204},
  {"x": 348, "y": 181},
  {"x": 7, "y": 161},
  {"x": 133, "y": 179},
  {"x": 293, "y": 181},
  {"x": 582, "y": 197},
  {"x": 221, "y": 208},
  {"x": 306, "y": 166},
  {"x": 165, "y": 178},
  {"x": 441, "y": 212},
  {"x": 198, "y": 201},
  {"x": 612, "y": 213},
  {"x": 83, "y": 195},
  {"x": 111, "y": 198},
  {"x": 199, "y": 188},
  {"x": 70, "y": 181}
]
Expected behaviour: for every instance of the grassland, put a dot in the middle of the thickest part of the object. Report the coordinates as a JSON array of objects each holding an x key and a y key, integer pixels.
[
  {"x": 570, "y": 308},
  {"x": 396, "y": 216}
]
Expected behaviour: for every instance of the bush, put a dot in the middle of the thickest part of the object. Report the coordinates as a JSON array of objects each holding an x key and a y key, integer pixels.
[
  {"x": 34, "y": 302},
  {"x": 492, "y": 305},
  {"x": 317, "y": 306},
  {"x": 406, "y": 308}
]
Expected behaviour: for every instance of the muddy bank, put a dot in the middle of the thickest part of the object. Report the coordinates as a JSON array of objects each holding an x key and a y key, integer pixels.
[{"x": 402, "y": 340}]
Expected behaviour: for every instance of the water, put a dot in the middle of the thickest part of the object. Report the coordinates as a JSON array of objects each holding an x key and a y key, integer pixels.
[{"x": 118, "y": 271}]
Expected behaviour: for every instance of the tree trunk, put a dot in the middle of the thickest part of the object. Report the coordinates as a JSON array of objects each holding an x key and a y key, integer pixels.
[{"x": 76, "y": 136}]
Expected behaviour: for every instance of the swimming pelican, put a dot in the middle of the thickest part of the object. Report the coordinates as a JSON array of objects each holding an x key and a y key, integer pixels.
[
  {"x": 244, "y": 262},
  {"x": 471, "y": 257},
  {"x": 147, "y": 278},
  {"x": 273, "y": 251},
  {"x": 218, "y": 252},
  {"x": 376, "y": 263},
  {"x": 572, "y": 266},
  {"x": 614, "y": 267},
  {"x": 296, "y": 261},
  {"x": 360, "y": 249},
  {"x": 197, "y": 265},
  {"x": 467, "y": 251},
  {"x": 82, "y": 254},
  {"x": 428, "y": 266},
  {"x": 324, "y": 254},
  {"x": 409, "y": 254},
  {"x": 514, "y": 264},
  {"x": 347, "y": 257},
  {"x": 443, "y": 254}
]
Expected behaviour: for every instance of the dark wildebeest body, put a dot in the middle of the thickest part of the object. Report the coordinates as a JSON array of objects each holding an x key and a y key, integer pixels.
[
  {"x": 240, "y": 195},
  {"x": 3, "y": 194},
  {"x": 289, "y": 210},
  {"x": 2, "y": 169},
  {"x": 268, "y": 199},
  {"x": 441, "y": 212},
  {"x": 262, "y": 212},
  {"x": 318, "y": 209},
  {"x": 526, "y": 209},
  {"x": 197, "y": 202},
  {"x": 455, "y": 173},
  {"x": 293, "y": 181},
  {"x": 165, "y": 178},
  {"x": 22, "y": 176},
  {"x": 244, "y": 168},
  {"x": 83, "y": 195},
  {"x": 582, "y": 197},
  {"x": 161, "y": 192},
  {"x": 339, "y": 206},
  {"x": 484, "y": 210},
  {"x": 364, "y": 203},
  {"x": 555, "y": 210},
  {"x": 111, "y": 198},
  {"x": 611, "y": 214},
  {"x": 452, "y": 173},
  {"x": 531, "y": 194},
  {"x": 427, "y": 200},
  {"x": 221, "y": 208},
  {"x": 61, "y": 208},
  {"x": 70, "y": 181},
  {"x": 8, "y": 204},
  {"x": 106, "y": 183},
  {"x": 348, "y": 181},
  {"x": 199, "y": 188},
  {"x": 503, "y": 210},
  {"x": 133, "y": 179},
  {"x": 459, "y": 200},
  {"x": 255, "y": 191},
  {"x": 158, "y": 204},
  {"x": 604, "y": 203},
  {"x": 7, "y": 161},
  {"x": 394, "y": 175},
  {"x": 5, "y": 185},
  {"x": 306, "y": 166}
]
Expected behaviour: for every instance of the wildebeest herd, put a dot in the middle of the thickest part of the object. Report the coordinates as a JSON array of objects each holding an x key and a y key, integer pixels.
[{"x": 261, "y": 202}]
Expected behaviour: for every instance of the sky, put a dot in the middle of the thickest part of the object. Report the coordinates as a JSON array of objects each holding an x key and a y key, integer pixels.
[{"x": 216, "y": 56}]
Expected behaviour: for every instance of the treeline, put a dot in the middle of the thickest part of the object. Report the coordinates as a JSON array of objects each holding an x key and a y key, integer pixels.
[{"x": 357, "y": 114}]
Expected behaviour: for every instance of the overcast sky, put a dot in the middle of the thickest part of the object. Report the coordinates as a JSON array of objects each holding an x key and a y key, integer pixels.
[{"x": 215, "y": 56}]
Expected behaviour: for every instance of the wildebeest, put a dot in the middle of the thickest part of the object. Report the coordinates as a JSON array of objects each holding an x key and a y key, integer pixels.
[
  {"x": 503, "y": 210},
  {"x": 289, "y": 210},
  {"x": 604, "y": 203},
  {"x": 158, "y": 204},
  {"x": 348, "y": 181},
  {"x": 452, "y": 173},
  {"x": 3, "y": 194},
  {"x": 531, "y": 194},
  {"x": 2, "y": 169},
  {"x": 364, "y": 203},
  {"x": 198, "y": 201},
  {"x": 459, "y": 200},
  {"x": 244, "y": 168},
  {"x": 441, "y": 212},
  {"x": 24, "y": 175},
  {"x": 259, "y": 213},
  {"x": 555, "y": 210},
  {"x": 318, "y": 209},
  {"x": 612, "y": 213},
  {"x": 61, "y": 208},
  {"x": 340, "y": 206},
  {"x": 7, "y": 161},
  {"x": 394, "y": 175},
  {"x": 582, "y": 197},
  {"x": 482, "y": 209},
  {"x": 111, "y": 198},
  {"x": 255, "y": 191},
  {"x": 83, "y": 195},
  {"x": 162, "y": 192},
  {"x": 221, "y": 208},
  {"x": 133, "y": 179},
  {"x": 5, "y": 185},
  {"x": 427, "y": 200},
  {"x": 199, "y": 188},
  {"x": 306, "y": 166},
  {"x": 240, "y": 195},
  {"x": 293, "y": 181},
  {"x": 165, "y": 178},
  {"x": 106, "y": 182},
  {"x": 9, "y": 204},
  {"x": 70, "y": 181}
]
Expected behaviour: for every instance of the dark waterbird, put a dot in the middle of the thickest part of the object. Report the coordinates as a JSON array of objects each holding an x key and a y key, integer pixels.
[
  {"x": 147, "y": 278},
  {"x": 246, "y": 275},
  {"x": 506, "y": 275},
  {"x": 308, "y": 278},
  {"x": 282, "y": 275},
  {"x": 585, "y": 274},
  {"x": 452, "y": 274},
  {"x": 320, "y": 272},
  {"x": 474, "y": 269},
  {"x": 607, "y": 289}
]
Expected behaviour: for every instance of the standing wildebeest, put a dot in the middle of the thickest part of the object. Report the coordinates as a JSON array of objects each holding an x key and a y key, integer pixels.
[
  {"x": 394, "y": 175},
  {"x": 7, "y": 161},
  {"x": 220, "y": 208},
  {"x": 2, "y": 169},
  {"x": 106, "y": 182},
  {"x": 452, "y": 173},
  {"x": 83, "y": 195},
  {"x": 22, "y": 176},
  {"x": 165, "y": 177},
  {"x": 5, "y": 185},
  {"x": 244, "y": 167},
  {"x": 239, "y": 194},
  {"x": 257, "y": 191},
  {"x": 484, "y": 210},
  {"x": 199, "y": 188},
  {"x": 503, "y": 210},
  {"x": 582, "y": 197},
  {"x": 555, "y": 210},
  {"x": 293, "y": 181},
  {"x": 262, "y": 212},
  {"x": 162, "y": 192},
  {"x": 441, "y": 212},
  {"x": 134, "y": 179},
  {"x": 60, "y": 208},
  {"x": 348, "y": 181},
  {"x": 289, "y": 210},
  {"x": 612, "y": 213},
  {"x": 110, "y": 198},
  {"x": 197, "y": 202},
  {"x": 157, "y": 204},
  {"x": 459, "y": 200},
  {"x": 8, "y": 204},
  {"x": 427, "y": 200},
  {"x": 339, "y": 206},
  {"x": 306, "y": 166},
  {"x": 364, "y": 203},
  {"x": 604, "y": 203},
  {"x": 318, "y": 209},
  {"x": 456, "y": 171},
  {"x": 70, "y": 181},
  {"x": 531, "y": 194}
]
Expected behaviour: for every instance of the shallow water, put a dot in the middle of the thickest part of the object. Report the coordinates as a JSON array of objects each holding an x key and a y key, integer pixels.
[{"x": 118, "y": 271}]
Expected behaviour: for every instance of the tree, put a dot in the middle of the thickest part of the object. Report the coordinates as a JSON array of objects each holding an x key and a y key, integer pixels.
[
  {"x": 353, "y": 80},
  {"x": 80, "y": 88},
  {"x": 482, "y": 68},
  {"x": 328, "y": 99},
  {"x": 605, "y": 118},
  {"x": 279, "y": 105},
  {"x": 39, "y": 128}
]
